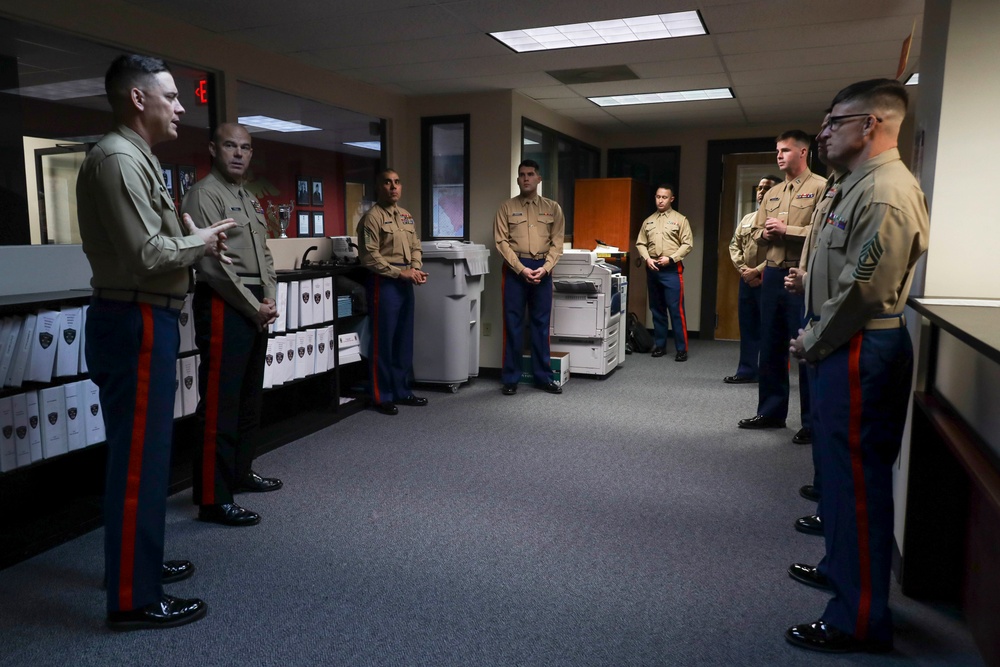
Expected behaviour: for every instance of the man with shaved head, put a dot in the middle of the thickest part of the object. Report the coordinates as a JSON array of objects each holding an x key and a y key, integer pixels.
[
  {"x": 233, "y": 304},
  {"x": 861, "y": 358}
]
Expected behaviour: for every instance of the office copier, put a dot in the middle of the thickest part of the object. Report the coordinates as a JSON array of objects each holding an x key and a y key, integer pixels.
[{"x": 588, "y": 307}]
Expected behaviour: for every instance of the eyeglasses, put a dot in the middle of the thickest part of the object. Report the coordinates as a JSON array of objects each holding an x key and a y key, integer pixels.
[{"x": 835, "y": 122}]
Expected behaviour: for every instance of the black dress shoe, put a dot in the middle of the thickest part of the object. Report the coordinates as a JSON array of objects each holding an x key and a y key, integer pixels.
[
  {"x": 810, "y": 525},
  {"x": 738, "y": 379},
  {"x": 658, "y": 352},
  {"x": 387, "y": 408},
  {"x": 804, "y": 436},
  {"x": 819, "y": 636},
  {"x": 412, "y": 400},
  {"x": 228, "y": 514},
  {"x": 681, "y": 356},
  {"x": 550, "y": 387},
  {"x": 169, "y": 612},
  {"x": 760, "y": 421},
  {"x": 257, "y": 484},
  {"x": 809, "y": 492},
  {"x": 810, "y": 576},
  {"x": 509, "y": 389},
  {"x": 177, "y": 570}
]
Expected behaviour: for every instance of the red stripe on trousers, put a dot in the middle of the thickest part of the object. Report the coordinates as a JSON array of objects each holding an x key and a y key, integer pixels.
[
  {"x": 131, "y": 508},
  {"x": 680, "y": 306},
  {"x": 376, "y": 392},
  {"x": 216, "y": 338},
  {"x": 860, "y": 495}
]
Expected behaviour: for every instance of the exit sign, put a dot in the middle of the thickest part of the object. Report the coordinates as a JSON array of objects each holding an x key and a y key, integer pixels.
[{"x": 201, "y": 92}]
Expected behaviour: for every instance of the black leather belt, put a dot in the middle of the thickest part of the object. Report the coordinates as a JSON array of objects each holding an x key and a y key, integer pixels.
[{"x": 529, "y": 255}]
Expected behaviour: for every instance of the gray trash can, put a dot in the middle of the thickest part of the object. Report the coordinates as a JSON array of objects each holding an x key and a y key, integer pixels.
[{"x": 446, "y": 341}]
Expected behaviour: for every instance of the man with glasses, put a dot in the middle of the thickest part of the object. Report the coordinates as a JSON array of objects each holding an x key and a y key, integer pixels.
[
  {"x": 858, "y": 279},
  {"x": 233, "y": 304},
  {"x": 743, "y": 249},
  {"x": 140, "y": 254},
  {"x": 780, "y": 228}
]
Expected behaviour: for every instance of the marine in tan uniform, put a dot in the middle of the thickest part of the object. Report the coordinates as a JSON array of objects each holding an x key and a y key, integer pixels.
[
  {"x": 858, "y": 280},
  {"x": 233, "y": 304},
  {"x": 664, "y": 241},
  {"x": 390, "y": 250},
  {"x": 140, "y": 254},
  {"x": 780, "y": 229},
  {"x": 528, "y": 231},
  {"x": 743, "y": 253}
]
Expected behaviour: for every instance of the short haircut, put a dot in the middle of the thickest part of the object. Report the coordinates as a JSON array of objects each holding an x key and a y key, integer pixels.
[
  {"x": 129, "y": 71},
  {"x": 666, "y": 186},
  {"x": 218, "y": 128},
  {"x": 387, "y": 170},
  {"x": 882, "y": 94},
  {"x": 798, "y": 136},
  {"x": 772, "y": 178},
  {"x": 530, "y": 164}
]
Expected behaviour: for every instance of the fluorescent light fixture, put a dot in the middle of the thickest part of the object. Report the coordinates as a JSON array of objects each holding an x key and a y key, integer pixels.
[
  {"x": 530, "y": 142},
  {"x": 268, "y": 123},
  {"x": 63, "y": 90},
  {"x": 913, "y": 80},
  {"x": 661, "y": 98},
  {"x": 615, "y": 31},
  {"x": 369, "y": 145}
]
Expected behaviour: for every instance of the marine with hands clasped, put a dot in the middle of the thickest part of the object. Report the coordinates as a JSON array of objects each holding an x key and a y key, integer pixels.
[
  {"x": 390, "y": 250},
  {"x": 780, "y": 229},
  {"x": 233, "y": 304},
  {"x": 528, "y": 231},
  {"x": 664, "y": 241}
]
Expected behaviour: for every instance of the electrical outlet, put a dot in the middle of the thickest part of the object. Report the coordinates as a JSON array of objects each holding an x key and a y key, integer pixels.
[{"x": 487, "y": 329}]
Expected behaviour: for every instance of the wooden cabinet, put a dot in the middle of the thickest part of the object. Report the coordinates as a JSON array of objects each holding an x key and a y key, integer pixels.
[{"x": 612, "y": 209}]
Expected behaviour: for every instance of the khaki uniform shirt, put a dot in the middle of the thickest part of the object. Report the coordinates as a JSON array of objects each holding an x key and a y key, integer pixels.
[
  {"x": 532, "y": 227},
  {"x": 876, "y": 229},
  {"x": 666, "y": 234},
  {"x": 211, "y": 199},
  {"x": 388, "y": 236},
  {"x": 819, "y": 215},
  {"x": 743, "y": 248},
  {"x": 131, "y": 233},
  {"x": 792, "y": 202}
]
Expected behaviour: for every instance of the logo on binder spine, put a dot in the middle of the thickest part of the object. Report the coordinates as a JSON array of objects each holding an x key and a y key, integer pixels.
[
  {"x": 8, "y": 431},
  {"x": 317, "y": 296},
  {"x": 33, "y": 421},
  {"x": 183, "y": 319},
  {"x": 269, "y": 359},
  {"x": 94, "y": 409},
  {"x": 188, "y": 381},
  {"x": 302, "y": 352},
  {"x": 305, "y": 297},
  {"x": 72, "y": 413},
  {"x": 69, "y": 335},
  {"x": 328, "y": 294},
  {"x": 309, "y": 349},
  {"x": 45, "y": 339},
  {"x": 322, "y": 348},
  {"x": 53, "y": 418},
  {"x": 22, "y": 431},
  {"x": 279, "y": 357}
]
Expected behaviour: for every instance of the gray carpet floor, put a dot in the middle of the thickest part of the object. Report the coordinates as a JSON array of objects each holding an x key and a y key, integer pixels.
[{"x": 625, "y": 522}]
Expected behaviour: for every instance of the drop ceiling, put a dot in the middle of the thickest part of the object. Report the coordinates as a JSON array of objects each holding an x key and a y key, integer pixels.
[{"x": 783, "y": 59}]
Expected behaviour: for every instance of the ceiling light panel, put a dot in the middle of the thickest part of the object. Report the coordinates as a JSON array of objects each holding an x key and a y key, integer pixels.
[
  {"x": 615, "y": 31},
  {"x": 663, "y": 98},
  {"x": 914, "y": 79},
  {"x": 275, "y": 124},
  {"x": 63, "y": 90}
]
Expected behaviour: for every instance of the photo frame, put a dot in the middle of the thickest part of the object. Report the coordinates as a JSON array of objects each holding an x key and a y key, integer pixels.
[
  {"x": 302, "y": 190},
  {"x": 185, "y": 178},
  {"x": 168, "y": 179},
  {"x": 304, "y": 223},
  {"x": 317, "y": 223},
  {"x": 316, "y": 190}
]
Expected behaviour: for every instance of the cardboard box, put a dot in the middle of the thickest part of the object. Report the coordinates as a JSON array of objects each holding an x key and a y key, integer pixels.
[{"x": 560, "y": 368}]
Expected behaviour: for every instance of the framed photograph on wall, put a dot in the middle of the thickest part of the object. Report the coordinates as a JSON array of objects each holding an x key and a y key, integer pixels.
[
  {"x": 168, "y": 179},
  {"x": 185, "y": 178},
  {"x": 302, "y": 191},
  {"x": 318, "y": 224},
  {"x": 317, "y": 192},
  {"x": 303, "y": 229}
]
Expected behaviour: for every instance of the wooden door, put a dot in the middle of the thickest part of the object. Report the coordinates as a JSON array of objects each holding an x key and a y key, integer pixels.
[{"x": 740, "y": 177}]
